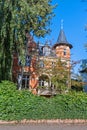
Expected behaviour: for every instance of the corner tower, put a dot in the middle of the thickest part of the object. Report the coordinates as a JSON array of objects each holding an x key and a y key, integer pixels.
[{"x": 62, "y": 46}]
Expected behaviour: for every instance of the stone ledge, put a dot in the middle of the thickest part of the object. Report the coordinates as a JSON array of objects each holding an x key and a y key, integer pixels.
[{"x": 57, "y": 121}]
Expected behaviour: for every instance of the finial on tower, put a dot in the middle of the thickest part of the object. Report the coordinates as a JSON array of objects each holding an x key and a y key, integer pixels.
[{"x": 62, "y": 21}]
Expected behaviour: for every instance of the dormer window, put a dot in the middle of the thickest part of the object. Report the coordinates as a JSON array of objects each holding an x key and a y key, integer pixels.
[
  {"x": 46, "y": 50},
  {"x": 64, "y": 52}
]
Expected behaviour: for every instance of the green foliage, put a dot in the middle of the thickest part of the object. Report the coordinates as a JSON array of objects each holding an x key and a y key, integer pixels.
[
  {"x": 76, "y": 85},
  {"x": 15, "y": 17},
  {"x": 18, "y": 105},
  {"x": 7, "y": 86},
  {"x": 60, "y": 76}
]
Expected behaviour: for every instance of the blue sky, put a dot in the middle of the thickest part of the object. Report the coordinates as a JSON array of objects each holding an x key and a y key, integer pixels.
[{"x": 75, "y": 17}]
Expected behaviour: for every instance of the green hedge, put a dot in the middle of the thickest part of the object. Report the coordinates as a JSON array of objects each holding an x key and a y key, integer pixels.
[{"x": 18, "y": 105}]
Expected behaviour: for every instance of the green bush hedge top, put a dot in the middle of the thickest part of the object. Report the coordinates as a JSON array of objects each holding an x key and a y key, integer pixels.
[{"x": 18, "y": 105}]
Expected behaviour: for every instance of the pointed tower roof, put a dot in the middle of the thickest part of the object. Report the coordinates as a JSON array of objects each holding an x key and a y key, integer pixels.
[{"x": 62, "y": 38}]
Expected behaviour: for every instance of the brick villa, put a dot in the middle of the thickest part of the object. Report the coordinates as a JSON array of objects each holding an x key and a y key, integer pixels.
[{"x": 27, "y": 76}]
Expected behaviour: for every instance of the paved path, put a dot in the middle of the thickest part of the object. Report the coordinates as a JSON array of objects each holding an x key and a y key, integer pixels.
[{"x": 44, "y": 127}]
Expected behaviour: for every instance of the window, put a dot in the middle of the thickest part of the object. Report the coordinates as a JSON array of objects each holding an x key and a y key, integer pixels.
[
  {"x": 23, "y": 81},
  {"x": 28, "y": 61},
  {"x": 46, "y": 51},
  {"x": 64, "y": 51}
]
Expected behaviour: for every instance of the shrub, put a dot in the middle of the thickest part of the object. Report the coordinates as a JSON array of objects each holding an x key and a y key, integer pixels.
[
  {"x": 18, "y": 105},
  {"x": 7, "y": 86}
]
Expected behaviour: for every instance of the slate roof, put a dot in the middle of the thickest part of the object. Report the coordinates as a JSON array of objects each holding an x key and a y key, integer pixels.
[
  {"x": 62, "y": 40},
  {"x": 62, "y": 37}
]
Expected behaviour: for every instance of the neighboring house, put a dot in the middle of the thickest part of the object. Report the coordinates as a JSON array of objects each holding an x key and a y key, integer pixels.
[
  {"x": 44, "y": 57},
  {"x": 84, "y": 74}
]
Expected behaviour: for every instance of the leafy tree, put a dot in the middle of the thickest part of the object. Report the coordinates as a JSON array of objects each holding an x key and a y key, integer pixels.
[
  {"x": 76, "y": 85},
  {"x": 60, "y": 76},
  {"x": 15, "y": 17},
  {"x": 76, "y": 82},
  {"x": 57, "y": 73}
]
